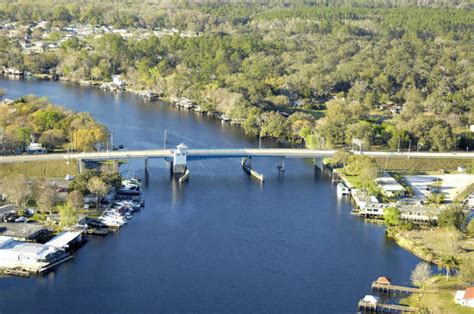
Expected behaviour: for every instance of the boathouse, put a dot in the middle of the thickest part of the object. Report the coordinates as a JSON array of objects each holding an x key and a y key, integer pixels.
[{"x": 383, "y": 280}]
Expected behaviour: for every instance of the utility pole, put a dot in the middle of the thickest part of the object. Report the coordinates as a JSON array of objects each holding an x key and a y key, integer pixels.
[
  {"x": 260, "y": 139},
  {"x": 165, "y": 138},
  {"x": 398, "y": 144}
]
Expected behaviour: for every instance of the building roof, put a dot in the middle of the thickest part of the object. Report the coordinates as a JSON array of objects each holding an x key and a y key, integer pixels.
[
  {"x": 20, "y": 230},
  {"x": 469, "y": 293},
  {"x": 64, "y": 238},
  {"x": 370, "y": 299},
  {"x": 389, "y": 184},
  {"x": 383, "y": 279}
]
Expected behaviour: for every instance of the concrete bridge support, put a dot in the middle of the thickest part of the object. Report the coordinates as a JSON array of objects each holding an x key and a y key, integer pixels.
[
  {"x": 318, "y": 163},
  {"x": 147, "y": 173},
  {"x": 281, "y": 166}
]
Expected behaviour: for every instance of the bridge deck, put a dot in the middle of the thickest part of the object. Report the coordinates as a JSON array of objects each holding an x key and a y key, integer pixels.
[{"x": 223, "y": 153}]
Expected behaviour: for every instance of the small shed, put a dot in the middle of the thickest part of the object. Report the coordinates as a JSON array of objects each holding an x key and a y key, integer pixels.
[{"x": 383, "y": 280}]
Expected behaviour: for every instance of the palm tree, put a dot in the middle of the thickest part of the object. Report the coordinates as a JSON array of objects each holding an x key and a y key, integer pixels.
[{"x": 449, "y": 262}]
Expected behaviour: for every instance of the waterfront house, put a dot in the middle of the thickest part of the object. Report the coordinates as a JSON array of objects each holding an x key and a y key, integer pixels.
[{"x": 465, "y": 297}]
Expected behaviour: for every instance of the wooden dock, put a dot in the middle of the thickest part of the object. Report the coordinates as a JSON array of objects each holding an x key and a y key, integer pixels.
[
  {"x": 382, "y": 307},
  {"x": 393, "y": 288}
]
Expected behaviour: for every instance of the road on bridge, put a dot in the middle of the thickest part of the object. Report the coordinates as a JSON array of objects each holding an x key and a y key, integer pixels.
[{"x": 224, "y": 153}]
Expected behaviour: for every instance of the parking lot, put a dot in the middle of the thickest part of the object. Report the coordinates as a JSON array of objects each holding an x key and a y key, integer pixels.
[{"x": 449, "y": 184}]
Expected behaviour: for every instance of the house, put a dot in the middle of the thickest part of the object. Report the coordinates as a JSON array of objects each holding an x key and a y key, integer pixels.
[
  {"x": 23, "y": 231},
  {"x": 465, "y": 297},
  {"x": 384, "y": 280},
  {"x": 390, "y": 187}
]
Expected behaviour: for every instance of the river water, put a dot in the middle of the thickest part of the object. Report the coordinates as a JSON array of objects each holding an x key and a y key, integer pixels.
[{"x": 222, "y": 243}]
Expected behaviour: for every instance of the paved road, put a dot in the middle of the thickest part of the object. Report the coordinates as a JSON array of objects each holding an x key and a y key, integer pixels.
[{"x": 223, "y": 153}]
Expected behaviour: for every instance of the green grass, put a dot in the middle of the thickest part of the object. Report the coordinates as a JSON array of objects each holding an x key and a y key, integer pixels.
[
  {"x": 442, "y": 300},
  {"x": 39, "y": 169},
  {"x": 423, "y": 164}
]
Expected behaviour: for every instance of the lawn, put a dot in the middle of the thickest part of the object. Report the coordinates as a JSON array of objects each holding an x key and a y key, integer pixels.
[
  {"x": 39, "y": 169},
  {"x": 442, "y": 300}
]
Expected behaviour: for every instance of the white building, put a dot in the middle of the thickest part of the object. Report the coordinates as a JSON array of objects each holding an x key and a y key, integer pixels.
[
  {"x": 389, "y": 185},
  {"x": 117, "y": 81},
  {"x": 33, "y": 257},
  {"x": 465, "y": 297}
]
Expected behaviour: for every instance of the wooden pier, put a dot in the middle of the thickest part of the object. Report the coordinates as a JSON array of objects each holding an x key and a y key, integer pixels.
[
  {"x": 393, "y": 288},
  {"x": 382, "y": 307}
]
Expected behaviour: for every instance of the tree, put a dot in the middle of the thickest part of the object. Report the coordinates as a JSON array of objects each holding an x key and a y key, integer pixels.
[
  {"x": 420, "y": 274},
  {"x": 98, "y": 187},
  {"x": 449, "y": 262},
  {"x": 17, "y": 188},
  {"x": 45, "y": 196},
  {"x": 67, "y": 215},
  {"x": 51, "y": 139},
  {"x": 452, "y": 216},
  {"x": 435, "y": 198},
  {"x": 391, "y": 216},
  {"x": 75, "y": 199}
]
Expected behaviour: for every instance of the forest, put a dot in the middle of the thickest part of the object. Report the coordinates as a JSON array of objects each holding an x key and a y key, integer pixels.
[{"x": 394, "y": 74}]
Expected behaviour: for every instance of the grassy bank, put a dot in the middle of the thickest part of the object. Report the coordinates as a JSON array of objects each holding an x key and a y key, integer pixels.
[
  {"x": 39, "y": 169},
  {"x": 442, "y": 300},
  {"x": 423, "y": 164},
  {"x": 430, "y": 245}
]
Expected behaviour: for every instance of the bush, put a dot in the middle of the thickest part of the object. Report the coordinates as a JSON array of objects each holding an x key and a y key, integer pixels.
[
  {"x": 391, "y": 216},
  {"x": 452, "y": 216}
]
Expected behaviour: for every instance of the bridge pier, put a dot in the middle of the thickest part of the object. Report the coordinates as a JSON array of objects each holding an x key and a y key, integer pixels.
[
  {"x": 147, "y": 173},
  {"x": 318, "y": 163},
  {"x": 281, "y": 166}
]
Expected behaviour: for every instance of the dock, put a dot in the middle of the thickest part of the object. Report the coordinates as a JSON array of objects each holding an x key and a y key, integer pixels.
[
  {"x": 364, "y": 306},
  {"x": 393, "y": 288}
]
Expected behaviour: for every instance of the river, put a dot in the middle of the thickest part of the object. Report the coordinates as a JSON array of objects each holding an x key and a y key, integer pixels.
[{"x": 221, "y": 243}]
